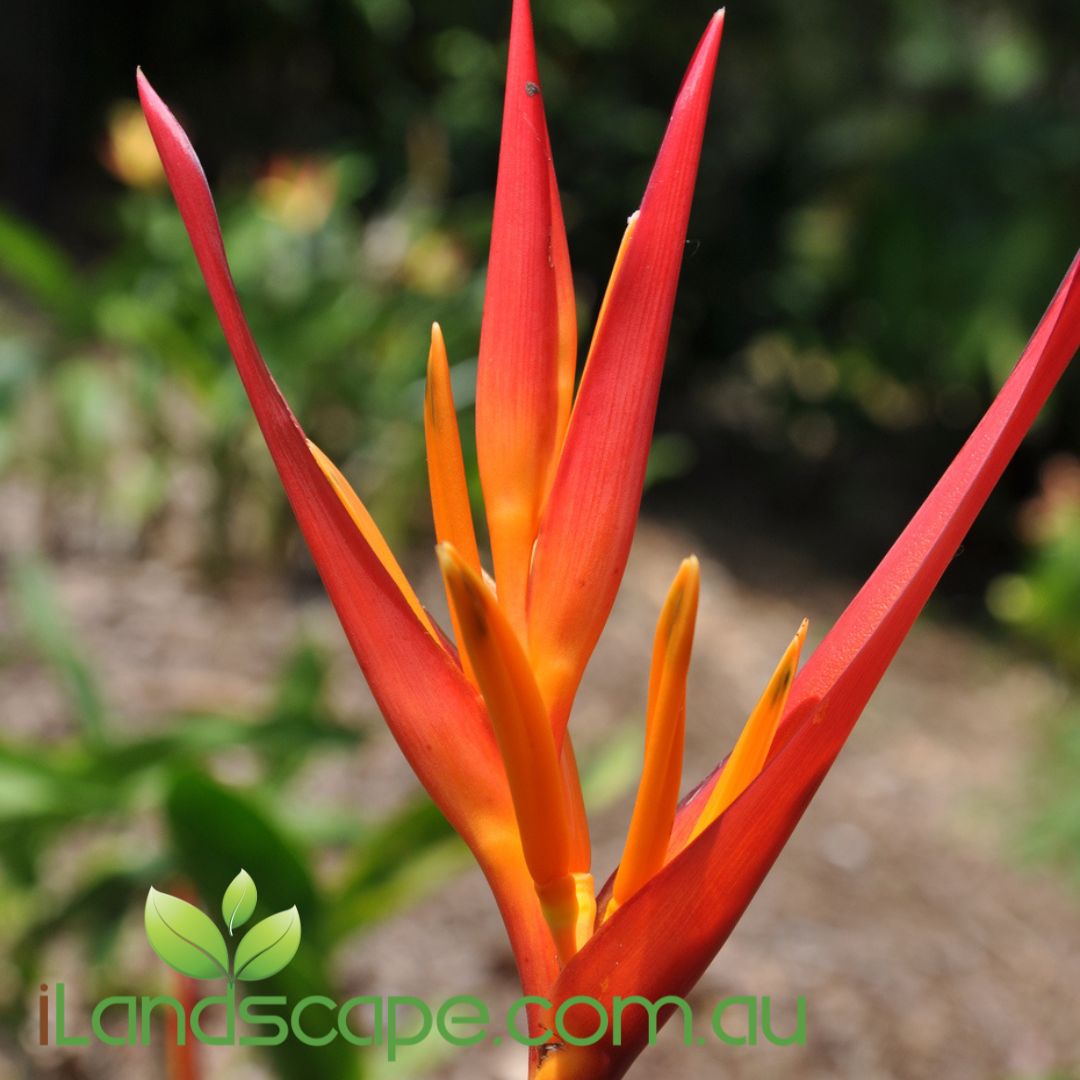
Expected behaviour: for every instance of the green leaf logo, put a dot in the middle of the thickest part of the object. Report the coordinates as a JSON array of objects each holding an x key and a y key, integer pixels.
[
  {"x": 188, "y": 941},
  {"x": 185, "y": 938},
  {"x": 268, "y": 946},
  {"x": 239, "y": 901}
]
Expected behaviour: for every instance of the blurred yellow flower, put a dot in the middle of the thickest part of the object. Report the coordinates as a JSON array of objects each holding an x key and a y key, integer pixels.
[
  {"x": 435, "y": 264},
  {"x": 129, "y": 152},
  {"x": 299, "y": 193}
]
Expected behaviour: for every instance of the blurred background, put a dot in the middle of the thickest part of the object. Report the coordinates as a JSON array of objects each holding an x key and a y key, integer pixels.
[{"x": 889, "y": 194}]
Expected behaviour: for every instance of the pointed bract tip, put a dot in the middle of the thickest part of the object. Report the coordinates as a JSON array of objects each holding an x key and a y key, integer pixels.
[
  {"x": 454, "y": 568},
  {"x": 436, "y": 352},
  {"x": 689, "y": 574},
  {"x": 143, "y": 83},
  {"x": 710, "y": 40},
  {"x": 163, "y": 124}
]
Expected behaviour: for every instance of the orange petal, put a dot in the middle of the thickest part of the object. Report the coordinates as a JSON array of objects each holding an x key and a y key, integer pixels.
[
  {"x": 528, "y": 747},
  {"x": 589, "y": 519},
  {"x": 658, "y": 791},
  {"x": 363, "y": 520},
  {"x": 522, "y": 377},
  {"x": 752, "y": 748},
  {"x": 566, "y": 306},
  {"x": 580, "y": 841},
  {"x": 446, "y": 470},
  {"x": 518, "y": 717},
  {"x": 620, "y": 258}
]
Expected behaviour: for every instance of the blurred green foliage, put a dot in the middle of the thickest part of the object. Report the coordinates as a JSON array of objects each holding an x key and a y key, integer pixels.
[
  {"x": 1042, "y": 600},
  {"x": 1051, "y": 826},
  {"x": 886, "y": 202},
  {"x": 124, "y": 395},
  {"x": 158, "y": 815}
]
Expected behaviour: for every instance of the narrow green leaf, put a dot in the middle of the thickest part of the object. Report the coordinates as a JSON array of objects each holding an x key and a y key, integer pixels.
[
  {"x": 239, "y": 901},
  {"x": 268, "y": 946},
  {"x": 45, "y": 624},
  {"x": 185, "y": 938},
  {"x": 43, "y": 271}
]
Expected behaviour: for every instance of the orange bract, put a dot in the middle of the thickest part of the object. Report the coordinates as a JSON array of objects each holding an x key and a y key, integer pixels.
[
  {"x": 446, "y": 470},
  {"x": 748, "y": 757},
  {"x": 665, "y": 718}
]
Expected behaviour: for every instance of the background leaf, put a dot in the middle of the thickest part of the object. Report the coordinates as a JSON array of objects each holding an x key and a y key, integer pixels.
[{"x": 47, "y": 628}]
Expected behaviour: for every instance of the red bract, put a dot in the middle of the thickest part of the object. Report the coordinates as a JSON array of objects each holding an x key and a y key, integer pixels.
[
  {"x": 588, "y": 523},
  {"x": 666, "y": 935},
  {"x": 484, "y": 725}
]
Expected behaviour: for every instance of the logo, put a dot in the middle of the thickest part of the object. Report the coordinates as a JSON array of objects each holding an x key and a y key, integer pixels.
[
  {"x": 193, "y": 944},
  {"x": 189, "y": 942}
]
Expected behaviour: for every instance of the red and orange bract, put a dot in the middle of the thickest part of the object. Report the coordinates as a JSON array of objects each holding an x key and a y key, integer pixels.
[
  {"x": 588, "y": 523},
  {"x": 434, "y": 712},
  {"x": 659, "y": 946},
  {"x": 562, "y": 478},
  {"x": 528, "y": 339}
]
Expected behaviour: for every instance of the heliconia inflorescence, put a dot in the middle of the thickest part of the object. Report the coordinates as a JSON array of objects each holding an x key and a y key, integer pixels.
[{"x": 484, "y": 725}]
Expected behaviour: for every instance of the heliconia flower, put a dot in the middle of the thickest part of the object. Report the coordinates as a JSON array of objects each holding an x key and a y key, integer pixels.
[{"x": 482, "y": 718}]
